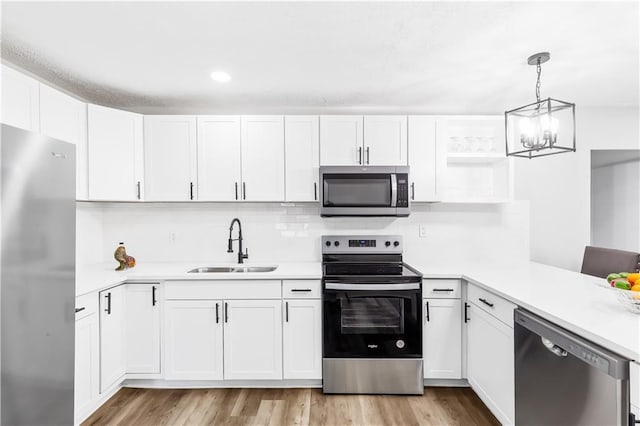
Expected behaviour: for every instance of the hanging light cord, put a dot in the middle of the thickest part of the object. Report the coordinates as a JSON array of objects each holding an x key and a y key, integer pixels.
[{"x": 539, "y": 70}]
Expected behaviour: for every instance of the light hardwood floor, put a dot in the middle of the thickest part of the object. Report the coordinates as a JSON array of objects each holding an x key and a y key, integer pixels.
[{"x": 438, "y": 406}]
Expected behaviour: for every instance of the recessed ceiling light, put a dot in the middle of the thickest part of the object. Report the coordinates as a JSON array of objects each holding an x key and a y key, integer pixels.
[{"x": 220, "y": 76}]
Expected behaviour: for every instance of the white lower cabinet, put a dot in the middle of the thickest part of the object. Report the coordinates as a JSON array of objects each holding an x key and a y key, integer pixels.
[
  {"x": 253, "y": 339},
  {"x": 302, "y": 339},
  {"x": 87, "y": 358},
  {"x": 113, "y": 359},
  {"x": 143, "y": 328},
  {"x": 490, "y": 365},
  {"x": 193, "y": 340},
  {"x": 442, "y": 339}
]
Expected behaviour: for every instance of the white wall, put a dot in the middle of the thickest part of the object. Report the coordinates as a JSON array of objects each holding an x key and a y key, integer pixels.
[
  {"x": 558, "y": 186},
  {"x": 272, "y": 232},
  {"x": 615, "y": 205}
]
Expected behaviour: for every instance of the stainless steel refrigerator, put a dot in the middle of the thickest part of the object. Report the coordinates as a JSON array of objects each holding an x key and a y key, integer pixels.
[{"x": 37, "y": 279}]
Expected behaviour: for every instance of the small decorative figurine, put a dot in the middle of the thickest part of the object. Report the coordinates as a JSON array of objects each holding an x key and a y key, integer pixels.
[{"x": 123, "y": 259}]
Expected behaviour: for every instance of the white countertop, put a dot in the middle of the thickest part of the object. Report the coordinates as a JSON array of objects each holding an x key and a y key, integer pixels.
[{"x": 569, "y": 299}]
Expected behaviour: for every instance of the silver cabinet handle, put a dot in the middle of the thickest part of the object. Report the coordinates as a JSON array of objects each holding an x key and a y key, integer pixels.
[
  {"x": 244, "y": 191},
  {"x": 360, "y": 155},
  {"x": 413, "y": 190},
  {"x": 367, "y": 155},
  {"x": 138, "y": 190}
]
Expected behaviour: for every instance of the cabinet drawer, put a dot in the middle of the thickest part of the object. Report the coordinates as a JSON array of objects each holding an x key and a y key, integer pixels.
[
  {"x": 301, "y": 289},
  {"x": 495, "y": 305},
  {"x": 236, "y": 289},
  {"x": 441, "y": 289},
  {"x": 86, "y": 305}
]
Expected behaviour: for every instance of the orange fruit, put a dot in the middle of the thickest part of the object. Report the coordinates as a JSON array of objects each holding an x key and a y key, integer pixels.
[
  {"x": 632, "y": 278},
  {"x": 636, "y": 287}
]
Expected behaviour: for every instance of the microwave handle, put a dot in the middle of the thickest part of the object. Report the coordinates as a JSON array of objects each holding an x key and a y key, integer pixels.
[{"x": 394, "y": 189}]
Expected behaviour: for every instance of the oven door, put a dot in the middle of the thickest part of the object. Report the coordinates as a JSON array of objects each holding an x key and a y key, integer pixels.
[{"x": 372, "y": 320}]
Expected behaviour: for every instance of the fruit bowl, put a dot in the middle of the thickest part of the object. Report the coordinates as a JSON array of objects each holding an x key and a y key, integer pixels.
[{"x": 630, "y": 300}]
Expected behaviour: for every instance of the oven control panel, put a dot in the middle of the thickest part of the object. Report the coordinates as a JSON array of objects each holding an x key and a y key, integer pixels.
[{"x": 362, "y": 244}]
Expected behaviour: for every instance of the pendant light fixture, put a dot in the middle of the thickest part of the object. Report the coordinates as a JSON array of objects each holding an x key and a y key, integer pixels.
[{"x": 545, "y": 127}]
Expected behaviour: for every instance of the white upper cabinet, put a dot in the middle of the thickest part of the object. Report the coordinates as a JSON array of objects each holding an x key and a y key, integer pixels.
[
  {"x": 302, "y": 157},
  {"x": 62, "y": 117},
  {"x": 115, "y": 154},
  {"x": 170, "y": 157},
  {"x": 20, "y": 100},
  {"x": 422, "y": 158},
  {"x": 385, "y": 140},
  {"x": 262, "y": 142},
  {"x": 341, "y": 139},
  {"x": 219, "y": 163}
]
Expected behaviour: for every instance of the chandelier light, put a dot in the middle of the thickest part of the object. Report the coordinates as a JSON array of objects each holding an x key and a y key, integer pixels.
[{"x": 545, "y": 127}]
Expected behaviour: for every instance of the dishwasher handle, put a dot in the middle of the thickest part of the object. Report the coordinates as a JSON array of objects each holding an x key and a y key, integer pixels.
[
  {"x": 553, "y": 348},
  {"x": 563, "y": 340}
]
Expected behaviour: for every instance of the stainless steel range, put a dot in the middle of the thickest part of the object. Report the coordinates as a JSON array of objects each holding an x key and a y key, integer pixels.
[{"x": 372, "y": 310}]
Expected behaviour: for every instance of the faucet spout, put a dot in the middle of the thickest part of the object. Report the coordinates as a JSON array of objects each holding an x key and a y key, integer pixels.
[{"x": 241, "y": 255}]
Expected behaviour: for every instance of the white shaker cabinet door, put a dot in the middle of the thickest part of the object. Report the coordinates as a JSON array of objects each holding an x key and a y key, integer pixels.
[
  {"x": 341, "y": 140},
  {"x": 170, "y": 157},
  {"x": 252, "y": 339},
  {"x": 87, "y": 365},
  {"x": 219, "y": 174},
  {"x": 20, "y": 100},
  {"x": 115, "y": 154},
  {"x": 143, "y": 328},
  {"x": 113, "y": 359},
  {"x": 302, "y": 157},
  {"x": 262, "y": 142},
  {"x": 193, "y": 340},
  {"x": 490, "y": 366},
  {"x": 442, "y": 339},
  {"x": 385, "y": 140},
  {"x": 302, "y": 339},
  {"x": 423, "y": 164}
]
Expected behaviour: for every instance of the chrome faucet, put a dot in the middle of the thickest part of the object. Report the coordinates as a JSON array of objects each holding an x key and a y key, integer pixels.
[{"x": 241, "y": 256}]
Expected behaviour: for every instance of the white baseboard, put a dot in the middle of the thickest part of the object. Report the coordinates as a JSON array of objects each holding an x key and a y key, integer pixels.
[
  {"x": 205, "y": 384},
  {"x": 449, "y": 383}
]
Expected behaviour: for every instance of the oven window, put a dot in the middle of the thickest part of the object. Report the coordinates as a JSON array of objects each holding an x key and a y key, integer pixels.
[
  {"x": 373, "y": 190},
  {"x": 372, "y": 315}
]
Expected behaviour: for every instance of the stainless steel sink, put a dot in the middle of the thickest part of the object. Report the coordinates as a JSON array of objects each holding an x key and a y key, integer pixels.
[{"x": 222, "y": 269}]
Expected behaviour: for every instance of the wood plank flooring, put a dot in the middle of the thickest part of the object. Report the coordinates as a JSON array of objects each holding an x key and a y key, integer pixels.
[{"x": 438, "y": 406}]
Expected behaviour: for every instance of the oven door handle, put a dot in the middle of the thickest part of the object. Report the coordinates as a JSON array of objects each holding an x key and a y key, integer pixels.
[{"x": 369, "y": 287}]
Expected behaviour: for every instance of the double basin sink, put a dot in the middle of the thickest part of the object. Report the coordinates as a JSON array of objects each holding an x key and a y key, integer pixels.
[{"x": 228, "y": 269}]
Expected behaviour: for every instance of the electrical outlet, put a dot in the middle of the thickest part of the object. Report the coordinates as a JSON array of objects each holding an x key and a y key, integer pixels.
[
  {"x": 422, "y": 230},
  {"x": 172, "y": 237}
]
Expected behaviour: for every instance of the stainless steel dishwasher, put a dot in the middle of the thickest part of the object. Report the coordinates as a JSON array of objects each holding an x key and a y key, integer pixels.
[{"x": 562, "y": 379}]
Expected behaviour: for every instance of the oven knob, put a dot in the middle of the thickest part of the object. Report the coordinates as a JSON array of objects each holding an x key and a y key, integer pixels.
[
  {"x": 400, "y": 343},
  {"x": 396, "y": 243},
  {"x": 388, "y": 243},
  {"x": 328, "y": 243},
  {"x": 336, "y": 243}
]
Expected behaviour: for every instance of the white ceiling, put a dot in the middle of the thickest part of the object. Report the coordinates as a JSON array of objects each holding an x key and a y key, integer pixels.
[{"x": 430, "y": 57}]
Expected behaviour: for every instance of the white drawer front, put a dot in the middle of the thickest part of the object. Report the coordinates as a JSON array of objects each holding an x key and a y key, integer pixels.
[
  {"x": 86, "y": 305},
  {"x": 301, "y": 289},
  {"x": 495, "y": 305},
  {"x": 235, "y": 289},
  {"x": 441, "y": 289}
]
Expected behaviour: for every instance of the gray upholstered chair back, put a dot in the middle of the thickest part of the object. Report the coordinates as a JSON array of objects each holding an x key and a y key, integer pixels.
[{"x": 600, "y": 262}]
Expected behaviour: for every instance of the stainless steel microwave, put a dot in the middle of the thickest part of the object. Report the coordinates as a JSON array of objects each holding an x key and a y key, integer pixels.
[{"x": 364, "y": 191}]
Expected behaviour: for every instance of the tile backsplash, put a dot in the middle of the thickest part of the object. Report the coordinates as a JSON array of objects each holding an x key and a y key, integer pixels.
[{"x": 198, "y": 232}]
